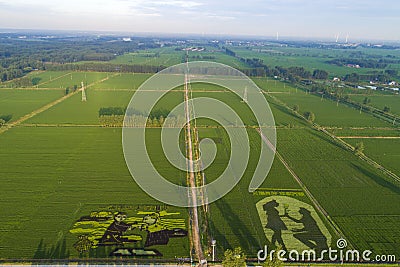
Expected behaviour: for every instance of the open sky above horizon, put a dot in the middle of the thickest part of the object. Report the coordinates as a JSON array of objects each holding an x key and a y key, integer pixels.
[{"x": 360, "y": 19}]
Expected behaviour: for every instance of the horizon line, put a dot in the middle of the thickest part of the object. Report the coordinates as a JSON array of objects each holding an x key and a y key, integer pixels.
[{"x": 205, "y": 35}]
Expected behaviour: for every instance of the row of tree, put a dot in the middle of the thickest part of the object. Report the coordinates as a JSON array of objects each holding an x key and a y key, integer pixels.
[
  {"x": 114, "y": 117},
  {"x": 364, "y": 63},
  {"x": 381, "y": 77},
  {"x": 140, "y": 121},
  {"x": 104, "y": 67},
  {"x": 154, "y": 114}
]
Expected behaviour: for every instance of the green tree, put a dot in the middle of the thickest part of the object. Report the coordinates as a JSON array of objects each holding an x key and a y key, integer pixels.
[
  {"x": 353, "y": 77},
  {"x": 359, "y": 148},
  {"x": 67, "y": 90},
  {"x": 6, "y": 118},
  {"x": 310, "y": 116},
  {"x": 2, "y": 122},
  {"x": 161, "y": 120},
  {"x": 235, "y": 258},
  {"x": 296, "y": 108},
  {"x": 320, "y": 74},
  {"x": 386, "y": 109},
  {"x": 392, "y": 73},
  {"x": 275, "y": 261},
  {"x": 366, "y": 101},
  {"x": 36, "y": 80}
]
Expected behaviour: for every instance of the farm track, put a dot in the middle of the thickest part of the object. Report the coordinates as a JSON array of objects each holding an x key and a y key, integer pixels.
[
  {"x": 195, "y": 233},
  {"x": 45, "y": 107}
]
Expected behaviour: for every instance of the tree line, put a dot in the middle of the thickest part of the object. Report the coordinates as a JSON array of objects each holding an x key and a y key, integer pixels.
[
  {"x": 378, "y": 76},
  {"x": 104, "y": 67},
  {"x": 154, "y": 114},
  {"x": 364, "y": 63},
  {"x": 19, "y": 57}
]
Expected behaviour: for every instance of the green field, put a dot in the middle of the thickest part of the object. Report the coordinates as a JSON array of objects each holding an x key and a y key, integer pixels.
[
  {"x": 74, "y": 111},
  {"x": 61, "y": 165},
  {"x": 75, "y": 78},
  {"x": 50, "y": 192},
  {"x": 47, "y": 76},
  {"x": 357, "y": 191},
  {"x": 21, "y": 102},
  {"x": 152, "y": 57},
  {"x": 272, "y": 85},
  {"x": 172, "y": 56},
  {"x": 381, "y": 101},
  {"x": 123, "y": 81},
  {"x": 330, "y": 113},
  {"x": 313, "y": 58},
  {"x": 384, "y": 151}
]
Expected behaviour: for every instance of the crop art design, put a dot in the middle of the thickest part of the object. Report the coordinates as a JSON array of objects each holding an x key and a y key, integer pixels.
[
  {"x": 127, "y": 231},
  {"x": 292, "y": 224}
]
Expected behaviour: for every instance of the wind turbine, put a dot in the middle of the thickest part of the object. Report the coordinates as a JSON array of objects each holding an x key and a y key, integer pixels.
[
  {"x": 347, "y": 38},
  {"x": 277, "y": 36},
  {"x": 337, "y": 37}
]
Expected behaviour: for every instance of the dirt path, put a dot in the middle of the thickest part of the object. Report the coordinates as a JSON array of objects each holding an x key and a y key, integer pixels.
[{"x": 192, "y": 180}]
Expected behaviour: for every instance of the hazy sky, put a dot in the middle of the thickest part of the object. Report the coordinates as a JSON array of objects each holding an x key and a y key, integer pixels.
[{"x": 366, "y": 19}]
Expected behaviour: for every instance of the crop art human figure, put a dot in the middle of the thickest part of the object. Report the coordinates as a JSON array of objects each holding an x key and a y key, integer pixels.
[
  {"x": 114, "y": 232},
  {"x": 275, "y": 222}
]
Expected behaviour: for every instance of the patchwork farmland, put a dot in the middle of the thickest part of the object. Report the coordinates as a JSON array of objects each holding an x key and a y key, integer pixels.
[{"x": 64, "y": 176}]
